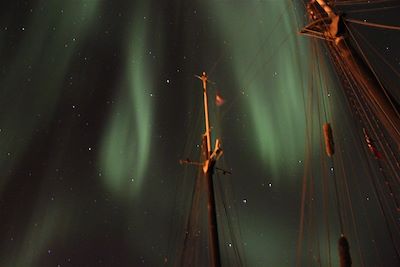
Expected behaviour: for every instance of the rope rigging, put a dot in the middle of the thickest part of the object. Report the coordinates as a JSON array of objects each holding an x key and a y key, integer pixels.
[
  {"x": 375, "y": 25},
  {"x": 359, "y": 2},
  {"x": 382, "y": 173},
  {"x": 330, "y": 175}
]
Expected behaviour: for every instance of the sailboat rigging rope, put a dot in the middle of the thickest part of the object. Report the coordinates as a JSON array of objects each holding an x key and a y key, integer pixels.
[
  {"x": 395, "y": 71},
  {"x": 364, "y": 10},
  {"x": 369, "y": 119},
  {"x": 384, "y": 194},
  {"x": 321, "y": 85},
  {"x": 307, "y": 163},
  {"x": 224, "y": 51},
  {"x": 247, "y": 81},
  {"x": 348, "y": 72},
  {"x": 375, "y": 185},
  {"x": 376, "y": 76},
  {"x": 233, "y": 236},
  {"x": 353, "y": 172},
  {"x": 360, "y": 2},
  {"x": 375, "y": 25},
  {"x": 325, "y": 182}
]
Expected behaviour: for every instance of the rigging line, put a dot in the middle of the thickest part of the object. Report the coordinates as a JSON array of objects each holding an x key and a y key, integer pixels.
[
  {"x": 387, "y": 182},
  {"x": 236, "y": 214},
  {"x": 234, "y": 238},
  {"x": 261, "y": 48},
  {"x": 371, "y": 9},
  {"x": 181, "y": 259},
  {"x": 360, "y": 196},
  {"x": 391, "y": 166},
  {"x": 372, "y": 127},
  {"x": 183, "y": 199},
  {"x": 308, "y": 159},
  {"x": 313, "y": 212},
  {"x": 348, "y": 192},
  {"x": 325, "y": 184},
  {"x": 377, "y": 53},
  {"x": 308, "y": 153},
  {"x": 348, "y": 197},
  {"x": 234, "y": 100},
  {"x": 269, "y": 58},
  {"x": 386, "y": 96},
  {"x": 297, "y": 19},
  {"x": 378, "y": 196},
  {"x": 298, "y": 60},
  {"x": 318, "y": 70},
  {"x": 313, "y": 206},
  {"x": 192, "y": 219},
  {"x": 376, "y": 76},
  {"x": 389, "y": 186},
  {"x": 243, "y": 76},
  {"x": 360, "y": 2},
  {"x": 382, "y": 209},
  {"x": 377, "y": 130},
  {"x": 173, "y": 232},
  {"x": 340, "y": 216},
  {"x": 241, "y": 247},
  {"x": 194, "y": 125},
  {"x": 224, "y": 236},
  {"x": 354, "y": 113},
  {"x": 365, "y": 110},
  {"x": 225, "y": 50},
  {"x": 375, "y": 25},
  {"x": 394, "y": 198},
  {"x": 338, "y": 200},
  {"x": 313, "y": 222}
]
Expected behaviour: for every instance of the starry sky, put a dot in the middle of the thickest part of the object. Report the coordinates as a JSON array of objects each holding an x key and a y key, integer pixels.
[{"x": 99, "y": 102}]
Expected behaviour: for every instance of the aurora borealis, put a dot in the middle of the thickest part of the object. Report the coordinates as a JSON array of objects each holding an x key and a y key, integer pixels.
[{"x": 99, "y": 102}]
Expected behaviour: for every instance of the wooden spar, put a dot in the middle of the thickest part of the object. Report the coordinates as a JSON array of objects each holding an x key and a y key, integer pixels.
[
  {"x": 203, "y": 78},
  {"x": 208, "y": 169}
]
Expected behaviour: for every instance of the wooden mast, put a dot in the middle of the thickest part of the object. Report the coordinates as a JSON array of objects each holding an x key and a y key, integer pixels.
[
  {"x": 331, "y": 29},
  {"x": 208, "y": 170}
]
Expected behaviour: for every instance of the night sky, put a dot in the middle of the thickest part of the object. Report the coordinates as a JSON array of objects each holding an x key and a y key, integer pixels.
[{"x": 99, "y": 102}]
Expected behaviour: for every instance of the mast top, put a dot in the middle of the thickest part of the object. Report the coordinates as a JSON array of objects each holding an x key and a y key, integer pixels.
[{"x": 204, "y": 79}]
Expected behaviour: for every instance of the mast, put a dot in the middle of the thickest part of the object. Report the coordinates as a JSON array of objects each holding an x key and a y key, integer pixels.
[
  {"x": 203, "y": 78},
  {"x": 332, "y": 29},
  {"x": 208, "y": 171}
]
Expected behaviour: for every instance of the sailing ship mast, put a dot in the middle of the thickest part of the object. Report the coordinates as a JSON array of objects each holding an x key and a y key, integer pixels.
[
  {"x": 208, "y": 167},
  {"x": 331, "y": 28},
  {"x": 208, "y": 171}
]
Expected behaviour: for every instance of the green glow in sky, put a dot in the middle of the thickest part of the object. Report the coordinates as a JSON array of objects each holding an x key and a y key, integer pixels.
[
  {"x": 43, "y": 228},
  {"x": 268, "y": 76},
  {"x": 32, "y": 83},
  {"x": 31, "y": 87},
  {"x": 126, "y": 144}
]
